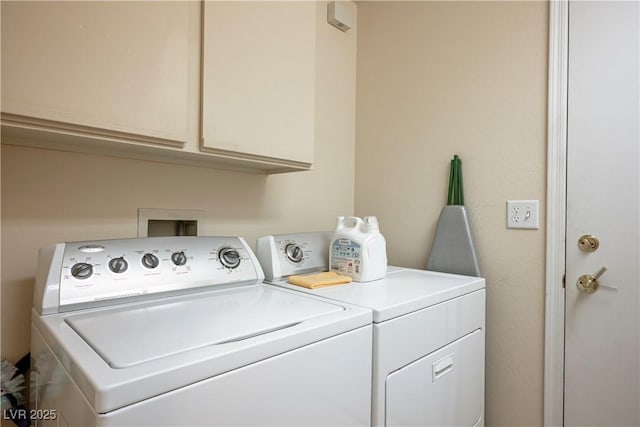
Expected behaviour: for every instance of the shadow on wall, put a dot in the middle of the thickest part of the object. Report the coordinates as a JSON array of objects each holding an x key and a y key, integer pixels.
[
  {"x": 51, "y": 196},
  {"x": 44, "y": 186}
]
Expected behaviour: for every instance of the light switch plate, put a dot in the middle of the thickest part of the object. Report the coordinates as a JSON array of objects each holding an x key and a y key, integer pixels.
[{"x": 523, "y": 214}]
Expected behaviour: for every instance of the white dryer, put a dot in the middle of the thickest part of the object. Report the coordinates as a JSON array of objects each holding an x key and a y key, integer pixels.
[
  {"x": 428, "y": 333},
  {"x": 182, "y": 331}
]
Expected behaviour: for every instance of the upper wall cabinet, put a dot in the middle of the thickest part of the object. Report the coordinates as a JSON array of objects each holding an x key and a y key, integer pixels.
[
  {"x": 112, "y": 69},
  {"x": 259, "y": 80}
]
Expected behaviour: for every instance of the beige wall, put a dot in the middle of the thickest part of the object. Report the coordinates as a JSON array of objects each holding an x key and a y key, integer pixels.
[
  {"x": 434, "y": 79},
  {"x": 51, "y": 196},
  {"x": 439, "y": 78}
]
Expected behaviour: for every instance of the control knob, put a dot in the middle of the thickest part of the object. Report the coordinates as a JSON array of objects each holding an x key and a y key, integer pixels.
[
  {"x": 82, "y": 270},
  {"x": 150, "y": 260},
  {"x": 229, "y": 257},
  {"x": 294, "y": 252},
  {"x": 179, "y": 258},
  {"x": 118, "y": 265}
]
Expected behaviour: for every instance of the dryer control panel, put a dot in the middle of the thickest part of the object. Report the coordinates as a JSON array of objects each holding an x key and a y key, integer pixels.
[
  {"x": 285, "y": 254},
  {"x": 105, "y": 272}
]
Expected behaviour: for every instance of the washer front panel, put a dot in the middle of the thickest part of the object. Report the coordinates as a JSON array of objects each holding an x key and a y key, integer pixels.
[
  {"x": 106, "y": 388},
  {"x": 103, "y": 271}
]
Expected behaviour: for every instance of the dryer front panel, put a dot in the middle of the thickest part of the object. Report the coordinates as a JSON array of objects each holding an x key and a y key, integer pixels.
[{"x": 444, "y": 388}]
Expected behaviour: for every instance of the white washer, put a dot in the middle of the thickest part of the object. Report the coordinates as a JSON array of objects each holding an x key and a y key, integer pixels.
[
  {"x": 428, "y": 333},
  {"x": 182, "y": 331}
]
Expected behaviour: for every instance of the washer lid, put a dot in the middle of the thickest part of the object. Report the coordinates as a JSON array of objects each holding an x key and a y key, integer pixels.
[
  {"x": 127, "y": 337},
  {"x": 401, "y": 291}
]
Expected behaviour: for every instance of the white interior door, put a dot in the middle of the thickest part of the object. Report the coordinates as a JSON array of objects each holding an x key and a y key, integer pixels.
[{"x": 602, "y": 328}]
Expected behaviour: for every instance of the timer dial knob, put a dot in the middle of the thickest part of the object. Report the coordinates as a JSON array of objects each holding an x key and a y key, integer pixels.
[
  {"x": 179, "y": 258},
  {"x": 229, "y": 257},
  {"x": 150, "y": 260},
  {"x": 294, "y": 252},
  {"x": 82, "y": 270},
  {"x": 118, "y": 265}
]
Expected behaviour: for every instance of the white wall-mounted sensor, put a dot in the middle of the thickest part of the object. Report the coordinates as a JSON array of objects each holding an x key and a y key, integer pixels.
[{"x": 339, "y": 15}]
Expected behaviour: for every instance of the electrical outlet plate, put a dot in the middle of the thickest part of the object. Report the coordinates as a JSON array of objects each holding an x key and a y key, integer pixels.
[{"x": 523, "y": 214}]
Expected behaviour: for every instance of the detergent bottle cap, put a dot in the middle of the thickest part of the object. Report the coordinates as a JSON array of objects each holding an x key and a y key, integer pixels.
[{"x": 371, "y": 224}]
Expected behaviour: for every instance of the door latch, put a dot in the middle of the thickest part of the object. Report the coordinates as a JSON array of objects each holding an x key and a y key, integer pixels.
[
  {"x": 588, "y": 243},
  {"x": 588, "y": 283}
]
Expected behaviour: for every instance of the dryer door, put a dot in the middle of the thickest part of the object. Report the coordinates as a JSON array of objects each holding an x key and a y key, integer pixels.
[{"x": 444, "y": 388}]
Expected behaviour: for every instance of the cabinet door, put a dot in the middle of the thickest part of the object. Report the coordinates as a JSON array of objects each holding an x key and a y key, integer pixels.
[
  {"x": 118, "y": 66},
  {"x": 259, "y": 79}
]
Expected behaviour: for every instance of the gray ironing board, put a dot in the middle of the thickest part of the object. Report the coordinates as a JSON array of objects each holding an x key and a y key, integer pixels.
[{"x": 452, "y": 250}]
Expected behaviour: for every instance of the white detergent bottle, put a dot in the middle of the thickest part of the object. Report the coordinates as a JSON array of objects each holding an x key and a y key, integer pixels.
[{"x": 358, "y": 249}]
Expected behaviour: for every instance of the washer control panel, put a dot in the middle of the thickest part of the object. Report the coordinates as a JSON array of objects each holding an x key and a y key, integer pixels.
[
  {"x": 285, "y": 254},
  {"x": 107, "y": 270}
]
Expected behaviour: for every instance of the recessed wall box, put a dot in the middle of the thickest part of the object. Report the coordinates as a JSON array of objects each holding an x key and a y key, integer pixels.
[
  {"x": 340, "y": 15},
  {"x": 170, "y": 222}
]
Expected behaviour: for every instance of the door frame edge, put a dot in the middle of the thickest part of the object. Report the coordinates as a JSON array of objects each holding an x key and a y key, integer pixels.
[{"x": 556, "y": 212}]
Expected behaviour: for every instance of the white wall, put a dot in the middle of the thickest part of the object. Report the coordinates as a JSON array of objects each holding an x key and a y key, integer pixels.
[
  {"x": 50, "y": 196},
  {"x": 442, "y": 78}
]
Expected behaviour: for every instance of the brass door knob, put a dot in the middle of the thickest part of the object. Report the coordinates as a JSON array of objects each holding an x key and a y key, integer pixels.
[{"x": 588, "y": 283}]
